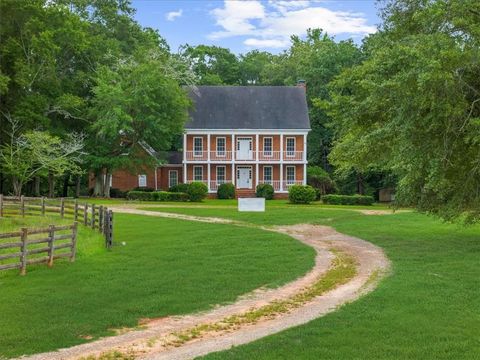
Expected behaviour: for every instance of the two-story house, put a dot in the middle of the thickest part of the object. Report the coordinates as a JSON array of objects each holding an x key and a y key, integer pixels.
[{"x": 245, "y": 135}]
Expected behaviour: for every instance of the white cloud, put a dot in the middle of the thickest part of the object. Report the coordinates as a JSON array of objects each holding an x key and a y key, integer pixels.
[
  {"x": 235, "y": 18},
  {"x": 273, "y": 24},
  {"x": 172, "y": 15},
  {"x": 266, "y": 43}
]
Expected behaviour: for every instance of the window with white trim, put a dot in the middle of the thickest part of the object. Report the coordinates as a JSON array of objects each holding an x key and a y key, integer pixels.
[
  {"x": 267, "y": 174},
  {"x": 267, "y": 146},
  {"x": 142, "y": 180},
  {"x": 290, "y": 175},
  {"x": 290, "y": 146},
  {"x": 198, "y": 173},
  {"x": 221, "y": 145},
  {"x": 221, "y": 174},
  {"x": 197, "y": 146},
  {"x": 172, "y": 178}
]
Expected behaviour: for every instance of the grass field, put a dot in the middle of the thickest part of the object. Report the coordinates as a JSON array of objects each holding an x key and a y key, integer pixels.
[
  {"x": 167, "y": 267},
  {"x": 429, "y": 308}
]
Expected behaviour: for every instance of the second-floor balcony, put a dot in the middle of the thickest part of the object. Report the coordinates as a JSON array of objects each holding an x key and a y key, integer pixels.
[{"x": 237, "y": 156}]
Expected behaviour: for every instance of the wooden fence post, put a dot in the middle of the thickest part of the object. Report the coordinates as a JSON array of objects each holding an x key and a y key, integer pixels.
[
  {"x": 1, "y": 205},
  {"x": 105, "y": 221},
  {"x": 62, "y": 208},
  {"x": 93, "y": 216},
  {"x": 43, "y": 205},
  {"x": 110, "y": 229},
  {"x": 23, "y": 258},
  {"x": 74, "y": 241},
  {"x": 75, "y": 210},
  {"x": 51, "y": 238},
  {"x": 22, "y": 205},
  {"x": 85, "y": 214},
  {"x": 100, "y": 218}
]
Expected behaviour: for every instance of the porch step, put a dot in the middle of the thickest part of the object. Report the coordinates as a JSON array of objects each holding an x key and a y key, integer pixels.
[{"x": 244, "y": 193}]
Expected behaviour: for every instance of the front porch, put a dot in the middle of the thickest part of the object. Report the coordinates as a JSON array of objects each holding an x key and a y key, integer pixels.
[{"x": 246, "y": 177}]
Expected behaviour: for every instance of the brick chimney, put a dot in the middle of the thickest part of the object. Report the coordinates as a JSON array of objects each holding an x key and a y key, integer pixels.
[{"x": 302, "y": 84}]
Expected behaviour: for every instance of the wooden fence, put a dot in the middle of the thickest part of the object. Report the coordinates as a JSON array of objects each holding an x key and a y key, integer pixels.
[
  {"x": 95, "y": 216},
  {"x": 35, "y": 246}
]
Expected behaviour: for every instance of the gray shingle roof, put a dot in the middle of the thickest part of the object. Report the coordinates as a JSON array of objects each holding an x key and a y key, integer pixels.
[{"x": 248, "y": 107}]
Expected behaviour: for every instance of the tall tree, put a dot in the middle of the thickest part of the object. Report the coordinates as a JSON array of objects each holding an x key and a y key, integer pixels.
[{"x": 413, "y": 106}]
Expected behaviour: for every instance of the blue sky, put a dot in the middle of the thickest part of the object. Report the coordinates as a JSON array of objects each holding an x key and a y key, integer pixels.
[{"x": 243, "y": 25}]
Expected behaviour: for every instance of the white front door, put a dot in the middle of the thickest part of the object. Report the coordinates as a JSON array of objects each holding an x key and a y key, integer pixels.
[
  {"x": 244, "y": 149},
  {"x": 244, "y": 178}
]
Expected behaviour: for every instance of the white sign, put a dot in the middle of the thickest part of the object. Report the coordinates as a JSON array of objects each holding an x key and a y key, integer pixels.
[{"x": 251, "y": 204}]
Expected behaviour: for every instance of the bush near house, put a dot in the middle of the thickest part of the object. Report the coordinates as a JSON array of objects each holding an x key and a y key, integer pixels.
[
  {"x": 347, "y": 199},
  {"x": 301, "y": 194},
  {"x": 157, "y": 196},
  {"x": 226, "y": 191},
  {"x": 143, "y": 189},
  {"x": 182, "y": 188},
  {"x": 117, "y": 193},
  {"x": 265, "y": 190},
  {"x": 197, "y": 191}
]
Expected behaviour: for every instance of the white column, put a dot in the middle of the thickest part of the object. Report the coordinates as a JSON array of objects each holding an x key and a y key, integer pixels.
[
  {"x": 305, "y": 159},
  {"x": 256, "y": 175},
  {"x": 184, "y": 158},
  {"x": 281, "y": 162},
  {"x": 156, "y": 180},
  {"x": 233, "y": 159},
  {"x": 256, "y": 147},
  {"x": 208, "y": 162}
]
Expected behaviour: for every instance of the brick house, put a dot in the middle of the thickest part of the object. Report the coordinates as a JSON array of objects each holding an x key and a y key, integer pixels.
[{"x": 245, "y": 135}]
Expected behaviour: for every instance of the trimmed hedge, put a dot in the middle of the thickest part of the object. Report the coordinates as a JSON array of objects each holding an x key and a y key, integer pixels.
[
  {"x": 197, "y": 191},
  {"x": 226, "y": 191},
  {"x": 140, "y": 195},
  {"x": 347, "y": 199},
  {"x": 144, "y": 189},
  {"x": 301, "y": 194},
  {"x": 157, "y": 196},
  {"x": 265, "y": 190},
  {"x": 182, "y": 188}
]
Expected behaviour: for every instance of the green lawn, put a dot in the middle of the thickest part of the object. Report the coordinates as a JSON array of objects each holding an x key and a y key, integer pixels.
[
  {"x": 166, "y": 267},
  {"x": 429, "y": 308}
]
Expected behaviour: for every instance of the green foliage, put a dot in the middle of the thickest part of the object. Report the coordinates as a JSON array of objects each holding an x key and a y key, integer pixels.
[
  {"x": 320, "y": 179},
  {"x": 301, "y": 194},
  {"x": 169, "y": 196},
  {"x": 197, "y": 191},
  {"x": 412, "y": 106},
  {"x": 117, "y": 193},
  {"x": 226, "y": 191},
  {"x": 265, "y": 190},
  {"x": 347, "y": 199},
  {"x": 140, "y": 195},
  {"x": 179, "y": 188},
  {"x": 144, "y": 189}
]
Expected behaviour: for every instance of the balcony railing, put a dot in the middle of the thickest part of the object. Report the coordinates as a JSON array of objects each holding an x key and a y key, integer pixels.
[
  {"x": 250, "y": 156},
  {"x": 274, "y": 183}
]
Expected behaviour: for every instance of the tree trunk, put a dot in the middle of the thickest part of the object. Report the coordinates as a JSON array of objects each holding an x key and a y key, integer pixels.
[
  {"x": 17, "y": 186},
  {"x": 65, "y": 186},
  {"x": 36, "y": 186},
  {"x": 51, "y": 185},
  {"x": 106, "y": 187},
  {"x": 98, "y": 188},
  {"x": 77, "y": 186},
  {"x": 360, "y": 185}
]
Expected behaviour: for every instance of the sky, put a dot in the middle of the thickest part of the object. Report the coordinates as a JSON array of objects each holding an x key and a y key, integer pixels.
[{"x": 244, "y": 25}]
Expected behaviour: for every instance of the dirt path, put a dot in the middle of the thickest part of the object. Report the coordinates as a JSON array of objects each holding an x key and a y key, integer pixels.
[{"x": 151, "y": 342}]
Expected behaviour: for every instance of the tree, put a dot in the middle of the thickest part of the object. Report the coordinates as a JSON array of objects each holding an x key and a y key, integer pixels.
[
  {"x": 213, "y": 65},
  {"x": 27, "y": 155},
  {"x": 413, "y": 106},
  {"x": 138, "y": 100},
  {"x": 252, "y": 67}
]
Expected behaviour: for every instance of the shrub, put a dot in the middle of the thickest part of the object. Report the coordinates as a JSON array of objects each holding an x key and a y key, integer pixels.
[
  {"x": 301, "y": 194},
  {"x": 226, "y": 191},
  {"x": 117, "y": 193},
  {"x": 140, "y": 195},
  {"x": 264, "y": 190},
  {"x": 143, "y": 189},
  {"x": 347, "y": 199},
  {"x": 170, "y": 196},
  {"x": 197, "y": 191},
  {"x": 320, "y": 180},
  {"x": 182, "y": 188}
]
